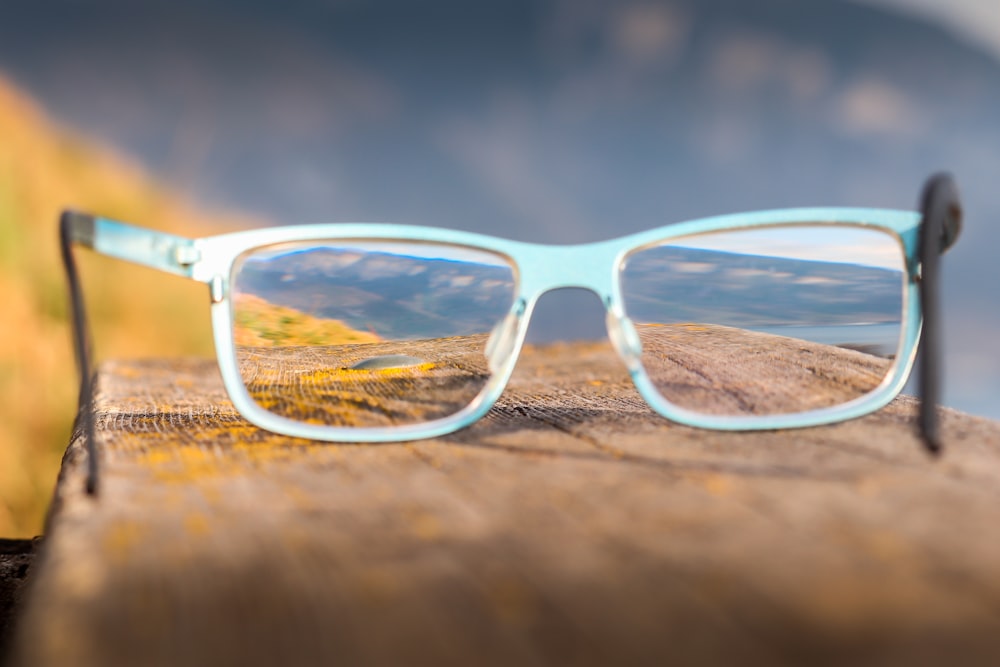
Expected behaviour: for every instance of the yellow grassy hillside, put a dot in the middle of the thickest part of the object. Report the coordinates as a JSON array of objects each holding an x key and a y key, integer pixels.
[{"x": 133, "y": 311}]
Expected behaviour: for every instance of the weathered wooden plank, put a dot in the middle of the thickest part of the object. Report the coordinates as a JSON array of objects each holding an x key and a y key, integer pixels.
[
  {"x": 571, "y": 525},
  {"x": 16, "y": 557}
]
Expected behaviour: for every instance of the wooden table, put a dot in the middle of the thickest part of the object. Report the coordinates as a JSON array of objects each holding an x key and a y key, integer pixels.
[
  {"x": 16, "y": 557},
  {"x": 572, "y": 525}
]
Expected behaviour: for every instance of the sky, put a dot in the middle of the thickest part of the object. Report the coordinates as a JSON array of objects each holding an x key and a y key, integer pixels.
[
  {"x": 974, "y": 21},
  {"x": 557, "y": 121},
  {"x": 838, "y": 244}
]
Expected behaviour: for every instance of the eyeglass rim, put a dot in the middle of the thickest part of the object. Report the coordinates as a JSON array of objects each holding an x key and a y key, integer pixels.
[
  {"x": 941, "y": 221},
  {"x": 217, "y": 256}
]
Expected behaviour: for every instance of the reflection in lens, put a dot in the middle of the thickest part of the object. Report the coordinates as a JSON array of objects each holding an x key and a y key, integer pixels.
[
  {"x": 364, "y": 332},
  {"x": 768, "y": 321}
]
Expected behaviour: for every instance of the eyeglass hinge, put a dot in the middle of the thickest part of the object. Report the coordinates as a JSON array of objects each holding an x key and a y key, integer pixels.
[
  {"x": 217, "y": 288},
  {"x": 186, "y": 255}
]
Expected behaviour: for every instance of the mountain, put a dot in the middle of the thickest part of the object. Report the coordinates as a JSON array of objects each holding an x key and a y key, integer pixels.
[
  {"x": 545, "y": 120},
  {"x": 394, "y": 295},
  {"x": 364, "y": 287}
]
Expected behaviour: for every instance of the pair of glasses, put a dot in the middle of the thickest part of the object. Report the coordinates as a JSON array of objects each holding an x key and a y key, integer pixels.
[{"x": 379, "y": 333}]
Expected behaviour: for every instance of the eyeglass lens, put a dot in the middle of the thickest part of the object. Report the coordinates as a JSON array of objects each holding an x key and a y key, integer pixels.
[
  {"x": 367, "y": 333},
  {"x": 763, "y": 321},
  {"x": 770, "y": 320}
]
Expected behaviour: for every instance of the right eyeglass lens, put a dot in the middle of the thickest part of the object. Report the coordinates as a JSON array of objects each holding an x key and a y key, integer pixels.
[
  {"x": 767, "y": 321},
  {"x": 367, "y": 333}
]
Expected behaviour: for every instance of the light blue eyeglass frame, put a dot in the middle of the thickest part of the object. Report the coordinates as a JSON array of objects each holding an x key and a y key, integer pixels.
[{"x": 538, "y": 269}]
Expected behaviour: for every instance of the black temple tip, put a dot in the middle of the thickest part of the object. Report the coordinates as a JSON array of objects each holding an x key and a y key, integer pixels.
[
  {"x": 78, "y": 228},
  {"x": 932, "y": 444},
  {"x": 940, "y": 197},
  {"x": 940, "y": 226}
]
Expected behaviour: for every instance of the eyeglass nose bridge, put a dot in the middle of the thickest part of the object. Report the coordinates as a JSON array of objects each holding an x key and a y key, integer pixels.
[
  {"x": 589, "y": 266},
  {"x": 543, "y": 268}
]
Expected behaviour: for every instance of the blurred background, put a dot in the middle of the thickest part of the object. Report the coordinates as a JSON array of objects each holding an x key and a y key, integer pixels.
[{"x": 551, "y": 120}]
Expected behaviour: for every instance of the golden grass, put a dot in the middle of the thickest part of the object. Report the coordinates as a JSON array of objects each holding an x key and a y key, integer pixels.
[
  {"x": 259, "y": 323},
  {"x": 133, "y": 311}
]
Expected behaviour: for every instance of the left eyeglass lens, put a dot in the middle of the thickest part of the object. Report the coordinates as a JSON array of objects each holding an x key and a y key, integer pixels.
[{"x": 367, "y": 333}]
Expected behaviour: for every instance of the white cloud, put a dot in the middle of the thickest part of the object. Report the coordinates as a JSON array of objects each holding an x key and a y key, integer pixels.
[
  {"x": 647, "y": 34},
  {"x": 745, "y": 71},
  {"x": 744, "y": 61},
  {"x": 747, "y": 60},
  {"x": 693, "y": 267},
  {"x": 876, "y": 107},
  {"x": 818, "y": 280},
  {"x": 976, "y": 21},
  {"x": 637, "y": 41},
  {"x": 822, "y": 242},
  {"x": 510, "y": 160}
]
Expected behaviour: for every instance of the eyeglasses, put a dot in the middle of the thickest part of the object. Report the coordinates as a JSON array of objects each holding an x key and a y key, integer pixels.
[{"x": 378, "y": 333}]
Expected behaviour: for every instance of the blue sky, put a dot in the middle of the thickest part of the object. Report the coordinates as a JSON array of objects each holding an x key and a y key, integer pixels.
[{"x": 554, "y": 121}]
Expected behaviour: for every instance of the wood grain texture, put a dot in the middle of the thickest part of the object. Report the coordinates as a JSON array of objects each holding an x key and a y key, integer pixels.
[
  {"x": 16, "y": 557},
  {"x": 572, "y": 525}
]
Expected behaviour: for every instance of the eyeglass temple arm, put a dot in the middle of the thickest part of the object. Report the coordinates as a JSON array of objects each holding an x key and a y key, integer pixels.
[
  {"x": 173, "y": 254},
  {"x": 940, "y": 225}
]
